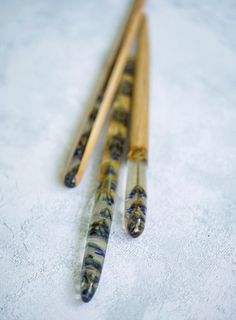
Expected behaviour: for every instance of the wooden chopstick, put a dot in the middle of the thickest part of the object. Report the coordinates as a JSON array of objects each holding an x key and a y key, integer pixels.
[
  {"x": 109, "y": 84},
  {"x": 136, "y": 195}
]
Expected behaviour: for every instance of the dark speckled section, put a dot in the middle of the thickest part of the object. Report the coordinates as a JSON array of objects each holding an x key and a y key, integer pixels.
[
  {"x": 137, "y": 213},
  {"x": 136, "y": 198},
  {"x": 70, "y": 177},
  {"x": 89, "y": 284},
  {"x": 99, "y": 229}
]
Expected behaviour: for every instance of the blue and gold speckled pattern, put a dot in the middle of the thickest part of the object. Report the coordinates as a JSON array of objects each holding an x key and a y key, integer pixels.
[
  {"x": 99, "y": 228},
  {"x": 70, "y": 177},
  {"x": 136, "y": 195}
]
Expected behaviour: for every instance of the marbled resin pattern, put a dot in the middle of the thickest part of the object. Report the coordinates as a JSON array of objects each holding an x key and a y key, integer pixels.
[
  {"x": 70, "y": 177},
  {"x": 99, "y": 228},
  {"x": 136, "y": 197},
  {"x": 183, "y": 266}
]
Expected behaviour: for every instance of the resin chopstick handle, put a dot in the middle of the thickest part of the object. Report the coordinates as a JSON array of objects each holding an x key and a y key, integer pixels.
[
  {"x": 100, "y": 225},
  {"x": 136, "y": 198},
  {"x": 136, "y": 195},
  {"x": 80, "y": 160}
]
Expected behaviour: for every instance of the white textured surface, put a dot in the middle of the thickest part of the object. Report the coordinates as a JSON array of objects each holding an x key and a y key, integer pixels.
[{"x": 184, "y": 265}]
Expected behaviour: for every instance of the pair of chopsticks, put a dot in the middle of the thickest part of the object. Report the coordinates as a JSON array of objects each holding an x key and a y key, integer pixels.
[
  {"x": 124, "y": 88},
  {"x": 102, "y": 101}
]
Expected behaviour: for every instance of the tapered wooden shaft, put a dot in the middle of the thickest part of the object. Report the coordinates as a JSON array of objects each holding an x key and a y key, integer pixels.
[{"x": 139, "y": 116}]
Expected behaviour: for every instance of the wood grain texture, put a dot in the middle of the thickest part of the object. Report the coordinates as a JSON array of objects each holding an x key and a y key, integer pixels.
[
  {"x": 139, "y": 116},
  {"x": 183, "y": 267},
  {"x": 113, "y": 82}
]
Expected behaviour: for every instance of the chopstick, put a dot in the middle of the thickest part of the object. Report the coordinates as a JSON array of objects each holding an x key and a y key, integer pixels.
[
  {"x": 107, "y": 89},
  {"x": 136, "y": 196},
  {"x": 99, "y": 229}
]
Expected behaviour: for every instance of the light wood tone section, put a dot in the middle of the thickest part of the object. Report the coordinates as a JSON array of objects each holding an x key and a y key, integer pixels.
[
  {"x": 105, "y": 73},
  {"x": 139, "y": 114},
  {"x": 113, "y": 82}
]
